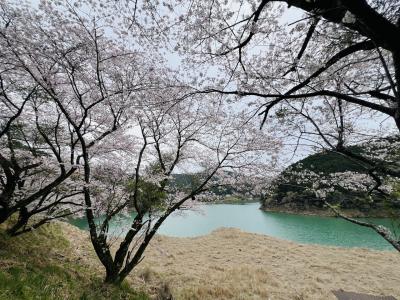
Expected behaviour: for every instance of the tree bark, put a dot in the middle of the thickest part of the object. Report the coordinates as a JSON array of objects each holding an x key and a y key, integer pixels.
[
  {"x": 23, "y": 219},
  {"x": 369, "y": 22},
  {"x": 379, "y": 229}
]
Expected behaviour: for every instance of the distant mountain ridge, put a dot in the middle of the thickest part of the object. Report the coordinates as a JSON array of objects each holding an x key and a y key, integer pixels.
[{"x": 225, "y": 194}]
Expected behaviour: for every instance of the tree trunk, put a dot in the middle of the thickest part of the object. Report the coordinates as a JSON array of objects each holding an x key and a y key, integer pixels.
[
  {"x": 4, "y": 215},
  {"x": 23, "y": 219},
  {"x": 113, "y": 277}
]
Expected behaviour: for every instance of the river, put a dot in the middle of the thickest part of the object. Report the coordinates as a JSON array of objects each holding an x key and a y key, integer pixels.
[{"x": 248, "y": 217}]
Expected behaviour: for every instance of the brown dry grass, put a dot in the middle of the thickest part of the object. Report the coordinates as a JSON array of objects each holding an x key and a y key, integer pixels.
[{"x": 232, "y": 264}]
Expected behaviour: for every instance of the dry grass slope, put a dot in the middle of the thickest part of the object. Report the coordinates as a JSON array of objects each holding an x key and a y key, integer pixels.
[
  {"x": 231, "y": 264},
  {"x": 226, "y": 264}
]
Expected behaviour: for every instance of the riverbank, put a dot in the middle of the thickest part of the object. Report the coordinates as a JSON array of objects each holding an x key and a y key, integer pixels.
[
  {"x": 232, "y": 264},
  {"x": 230, "y": 200},
  {"x": 352, "y": 213}
]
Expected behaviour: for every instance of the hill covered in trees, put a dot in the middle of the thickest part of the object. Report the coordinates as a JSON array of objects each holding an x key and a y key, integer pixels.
[
  {"x": 230, "y": 194},
  {"x": 295, "y": 188}
]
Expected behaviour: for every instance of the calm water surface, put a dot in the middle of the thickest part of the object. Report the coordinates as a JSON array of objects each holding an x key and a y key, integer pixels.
[{"x": 248, "y": 217}]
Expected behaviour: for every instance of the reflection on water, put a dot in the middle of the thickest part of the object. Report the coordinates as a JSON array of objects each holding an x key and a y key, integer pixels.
[{"x": 248, "y": 217}]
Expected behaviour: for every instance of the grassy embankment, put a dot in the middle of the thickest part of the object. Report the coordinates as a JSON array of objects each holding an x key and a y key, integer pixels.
[
  {"x": 46, "y": 265},
  {"x": 58, "y": 263}
]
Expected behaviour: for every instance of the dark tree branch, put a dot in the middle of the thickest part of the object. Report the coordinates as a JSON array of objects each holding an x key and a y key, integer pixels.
[{"x": 381, "y": 230}]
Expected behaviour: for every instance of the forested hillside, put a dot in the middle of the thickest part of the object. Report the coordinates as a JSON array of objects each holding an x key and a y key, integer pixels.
[{"x": 294, "y": 189}]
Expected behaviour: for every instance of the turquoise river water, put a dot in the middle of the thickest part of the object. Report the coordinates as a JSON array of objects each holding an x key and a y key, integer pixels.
[{"x": 248, "y": 217}]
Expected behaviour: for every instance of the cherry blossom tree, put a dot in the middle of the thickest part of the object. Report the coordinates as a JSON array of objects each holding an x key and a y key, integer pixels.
[
  {"x": 248, "y": 40},
  {"x": 36, "y": 178},
  {"x": 33, "y": 145},
  {"x": 63, "y": 82},
  {"x": 299, "y": 59},
  {"x": 344, "y": 55},
  {"x": 338, "y": 128},
  {"x": 182, "y": 136},
  {"x": 115, "y": 125}
]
